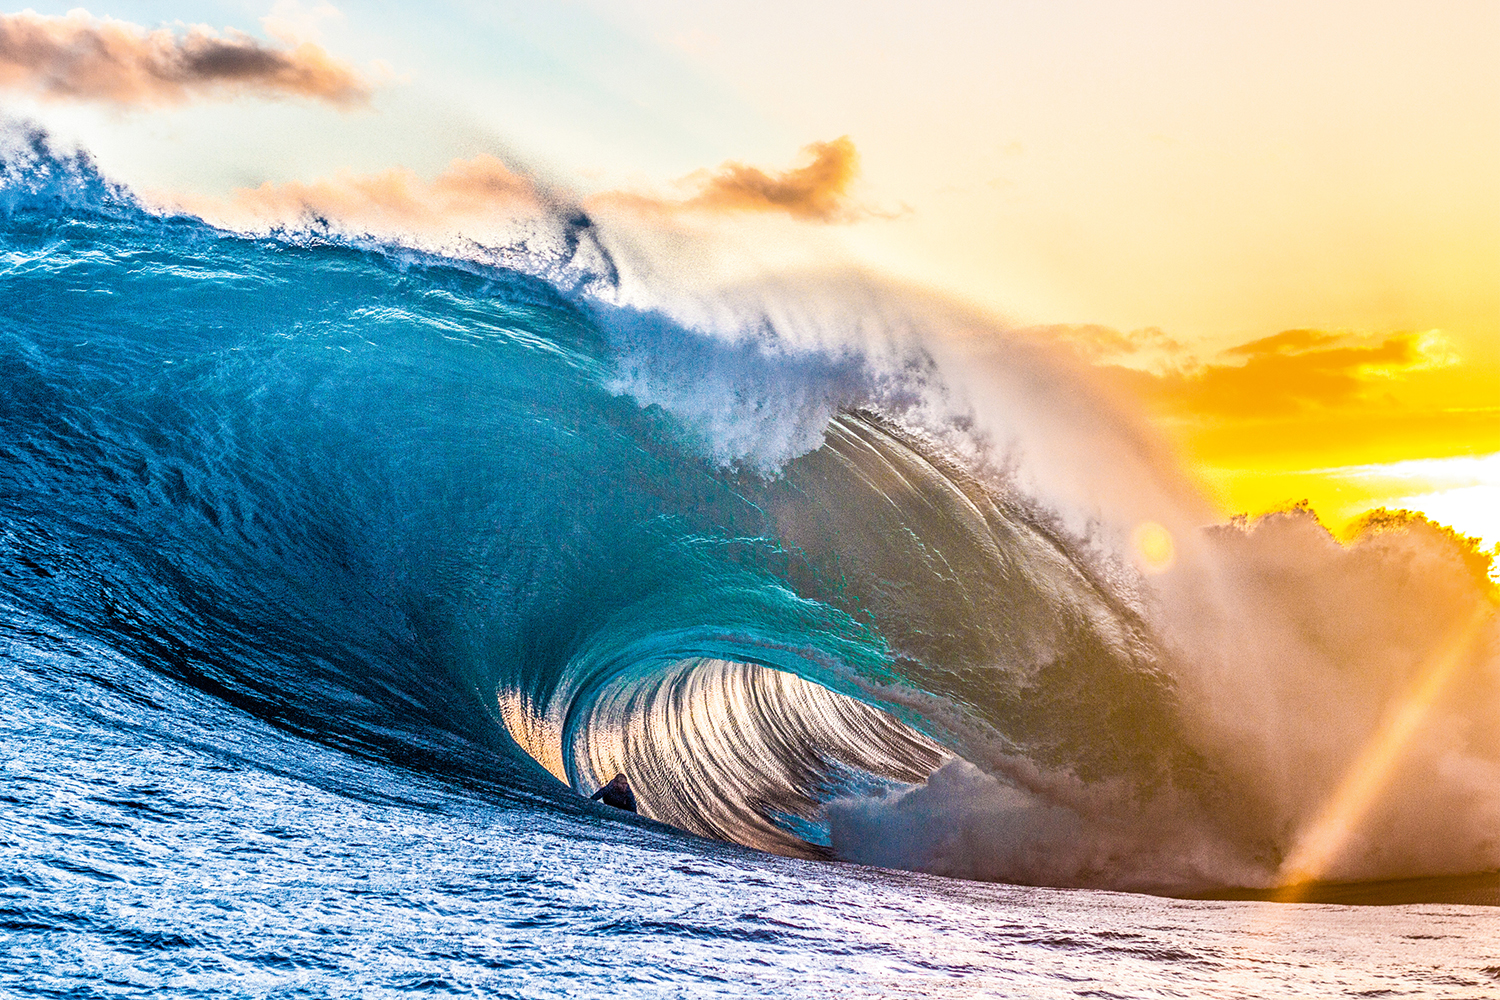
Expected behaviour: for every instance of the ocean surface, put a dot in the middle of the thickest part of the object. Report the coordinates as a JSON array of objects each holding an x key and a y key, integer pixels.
[{"x": 335, "y": 572}]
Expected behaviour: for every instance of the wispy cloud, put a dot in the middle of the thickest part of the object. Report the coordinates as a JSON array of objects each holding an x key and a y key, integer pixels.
[
  {"x": 468, "y": 193},
  {"x": 815, "y": 192},
  {"x": 1098, "y": 344},
  {"x": 471, "y": 195},
  {"x": 80, "y": 57}
]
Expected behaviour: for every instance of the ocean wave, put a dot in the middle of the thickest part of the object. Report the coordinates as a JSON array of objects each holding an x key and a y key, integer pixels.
[{"x": 841, "y": 594}]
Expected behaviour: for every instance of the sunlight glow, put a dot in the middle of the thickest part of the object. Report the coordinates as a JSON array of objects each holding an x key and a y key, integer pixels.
[
  {"x": 1469, "y": 510},
  {"x": 532, "y": 732},
  {"x": 1154, "y": 549}
]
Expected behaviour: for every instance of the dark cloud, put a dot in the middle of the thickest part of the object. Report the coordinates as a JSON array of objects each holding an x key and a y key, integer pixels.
[{"x": 80, "y": 57}]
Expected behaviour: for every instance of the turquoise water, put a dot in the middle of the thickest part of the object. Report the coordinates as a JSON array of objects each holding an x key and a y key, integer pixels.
[{"x": 332, "y": 571}]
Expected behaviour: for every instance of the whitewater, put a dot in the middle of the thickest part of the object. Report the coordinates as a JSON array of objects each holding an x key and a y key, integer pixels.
[{"x": 337, "y": 570}]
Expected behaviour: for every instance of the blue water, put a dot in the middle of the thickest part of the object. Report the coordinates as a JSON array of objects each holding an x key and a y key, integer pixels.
[
  {"x": 332, "y": 570},
  {"x": 158, "y": 842}
]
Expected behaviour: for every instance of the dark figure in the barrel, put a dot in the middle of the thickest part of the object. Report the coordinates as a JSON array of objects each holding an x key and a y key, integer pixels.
[{"x": 617, "y": 793}]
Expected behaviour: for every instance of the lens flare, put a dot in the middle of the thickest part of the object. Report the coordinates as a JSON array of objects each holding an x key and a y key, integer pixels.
[{"x": 1154, "y": 549}]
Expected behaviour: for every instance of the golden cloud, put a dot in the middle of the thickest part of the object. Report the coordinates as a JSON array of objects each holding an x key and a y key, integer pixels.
[
  {"x": 80, "y": 57},
  {"x": 1295, "y": 371},
  {"x": 816, "y": 192},
  {"x": 471, "y": 194}
]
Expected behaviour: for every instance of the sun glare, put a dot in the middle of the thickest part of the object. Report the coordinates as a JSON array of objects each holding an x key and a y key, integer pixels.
[{"x": 1154, "y": 550}]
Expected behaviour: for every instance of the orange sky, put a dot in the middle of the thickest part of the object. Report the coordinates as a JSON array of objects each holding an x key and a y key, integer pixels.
[{"x": 1310, "y": 415}]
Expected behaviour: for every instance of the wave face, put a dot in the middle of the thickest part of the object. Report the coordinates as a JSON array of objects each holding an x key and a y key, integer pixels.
[
  {"x": 473, "y": 519},
  {"x": 383, "y": 499}
]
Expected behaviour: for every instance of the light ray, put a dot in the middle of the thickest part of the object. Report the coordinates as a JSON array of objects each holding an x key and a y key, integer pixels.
[{"x": 1321, "y": 843}]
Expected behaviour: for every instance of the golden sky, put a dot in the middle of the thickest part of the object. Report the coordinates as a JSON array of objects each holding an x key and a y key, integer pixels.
[{"x": 1346, "y": 420}]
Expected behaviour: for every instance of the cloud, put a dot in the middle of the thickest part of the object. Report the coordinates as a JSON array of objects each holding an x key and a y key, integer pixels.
[
  {"x": 80, "y": 57},
  {"x": 468, "y": 193},
  {"x": 471, "y": 195},
  {"x": 1285, "y": 342},
  {"x": 816, "y": 192},
  {"x": 1095, "y": 343},
  {"x": 1291, "y": 372}
]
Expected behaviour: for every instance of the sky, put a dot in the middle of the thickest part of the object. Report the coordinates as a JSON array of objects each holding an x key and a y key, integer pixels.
[{"x": 1273, "y": 227}]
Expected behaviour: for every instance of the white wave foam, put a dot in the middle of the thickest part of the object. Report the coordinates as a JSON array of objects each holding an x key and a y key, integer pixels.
[
  {"x": 752, "y": 400},
  {"x": 1318, "y": 673}
]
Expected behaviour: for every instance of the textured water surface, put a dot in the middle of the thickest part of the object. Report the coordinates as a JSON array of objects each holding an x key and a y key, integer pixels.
[
  {"x": 332, "y": 573},
  {"x": 155, "y": 843}
]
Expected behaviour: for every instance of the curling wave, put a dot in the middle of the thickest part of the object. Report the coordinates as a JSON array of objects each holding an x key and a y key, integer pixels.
[{"x": 474, "y": 516}]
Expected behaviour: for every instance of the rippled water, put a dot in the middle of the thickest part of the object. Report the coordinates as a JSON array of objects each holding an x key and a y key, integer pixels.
[{"x": 145, "y": 855}]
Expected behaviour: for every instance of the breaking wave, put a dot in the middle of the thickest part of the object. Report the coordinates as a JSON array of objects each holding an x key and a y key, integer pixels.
[{"x": 863, "y": 592}]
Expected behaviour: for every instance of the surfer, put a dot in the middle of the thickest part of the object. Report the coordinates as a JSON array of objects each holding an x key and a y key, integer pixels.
[{"x": 617, "y": 793}]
